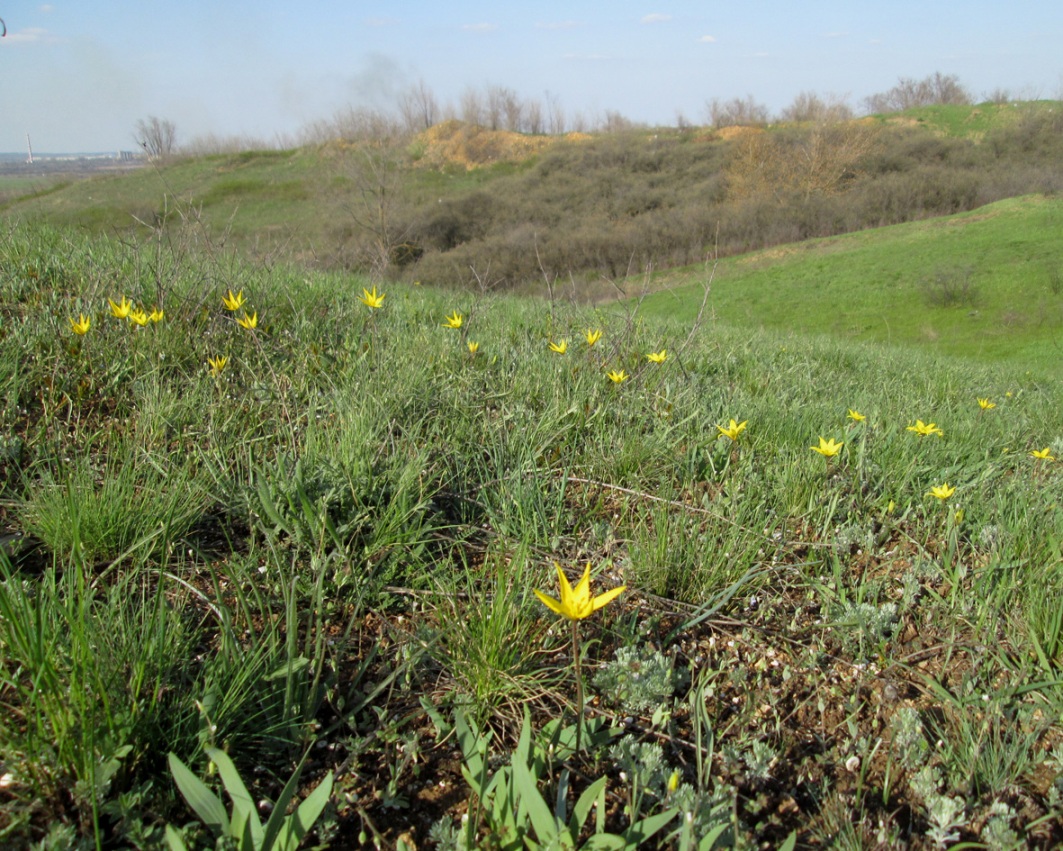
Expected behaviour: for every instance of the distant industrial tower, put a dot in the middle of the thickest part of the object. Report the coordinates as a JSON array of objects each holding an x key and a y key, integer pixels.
[{"x": 29, "y": 150}]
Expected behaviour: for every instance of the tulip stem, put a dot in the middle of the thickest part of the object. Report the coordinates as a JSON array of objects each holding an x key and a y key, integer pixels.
[{"x": 579, "y": 683}]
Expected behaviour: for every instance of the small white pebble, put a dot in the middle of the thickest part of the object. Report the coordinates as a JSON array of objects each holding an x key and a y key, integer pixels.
[{"x": 852, "y": 764}]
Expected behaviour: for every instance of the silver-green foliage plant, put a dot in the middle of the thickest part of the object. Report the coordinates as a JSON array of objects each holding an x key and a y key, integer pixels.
[
  {"x": 639, "y": 678},
  {"x": 908, "y": 741},
  {"x": 243, "y": 827}
]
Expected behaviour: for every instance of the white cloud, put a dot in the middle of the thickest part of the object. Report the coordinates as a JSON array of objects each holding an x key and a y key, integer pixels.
[
  {"x": 558, "y": 25},
  {"x": 656, "y": 18},
  {"x": 835, "y": 35},
  {"x": 707, "y": 39},
  {"x": 31, "y": 35},
  {"x": 480, "y": 28},
  {"x": 47, "y": 7}
]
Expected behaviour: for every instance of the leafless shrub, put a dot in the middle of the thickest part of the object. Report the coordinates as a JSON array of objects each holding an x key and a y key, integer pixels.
[
  {"x": 212, "y": 145},
  {"x": 951, "y": 287},
  {"x": 157, "y": 136},
  {"x": 419, "y": 108},
  {"x": 810, "y": 107},
  {"x": 934, "y": 90},
  {"x": 741, "y": 111}
]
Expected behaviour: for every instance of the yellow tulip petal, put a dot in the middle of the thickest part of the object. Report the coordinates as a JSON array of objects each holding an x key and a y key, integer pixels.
[{"x": 549, "y": 602}]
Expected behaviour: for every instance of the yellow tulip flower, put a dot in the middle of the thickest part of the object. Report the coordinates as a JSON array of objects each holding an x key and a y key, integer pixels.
[
  {"x": 941, "y": 492},
  {"x": 856, "y": 416},
  {"x": 560, "y": 348},
  {"x": 592, "y": 336},
  {"x": 658, "y": 357},
  {"x": 473, "y": 347},
  {"x": 80, "y": 325},
  {"x": 617, "y": 377},
  {"x": 138, "y": 317},
  {"x": 122, "y": 309},
  {"x": 372, "y": 300},
  {"x": 233, "y": 302},
  {"x": 733, "y": 430},
  {"x": 217, "y": 365},
  {"x": 454, "y": 321},
  {"x": 248, "y": 322},
  {"x": 986, "y": 405},
  {"x": 925, "y": 429},
  {"x": 156, "y": 315},
  {"x": 577, "y": 604},
  {"x": 1043, "y": 454},
  {"x": 828, "y": 448}
]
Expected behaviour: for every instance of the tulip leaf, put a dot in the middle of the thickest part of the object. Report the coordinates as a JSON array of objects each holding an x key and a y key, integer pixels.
[
  {"x": 203, "y": 802},
  {"x": 174, "y": 839},
  {"x": 297, "y": 825},
  {"x": 243, "y": 803},
  {"x": 584, "y": 805},
  {"x": 277, "y": 821},
  {"x": 543, "y": 822},
  {"x": 708, "y": 841},
  {"x": 641, "y": 831}
]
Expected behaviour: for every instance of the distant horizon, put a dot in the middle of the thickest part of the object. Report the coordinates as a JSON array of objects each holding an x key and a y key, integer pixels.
[{"x": 267, "y": 71}]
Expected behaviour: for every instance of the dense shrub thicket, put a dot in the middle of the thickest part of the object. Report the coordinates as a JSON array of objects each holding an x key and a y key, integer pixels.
[{"x": 617, "y": 203}]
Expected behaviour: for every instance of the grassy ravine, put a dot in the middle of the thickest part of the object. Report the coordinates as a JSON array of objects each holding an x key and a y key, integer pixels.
[
  {"x": 459, "y": 204},
  {"x": 331, "y": 545},
  {"x": 985, "y": 285}
]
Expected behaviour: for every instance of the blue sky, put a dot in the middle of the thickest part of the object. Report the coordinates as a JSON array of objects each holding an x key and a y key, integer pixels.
[{"x": 77, "y": 75}]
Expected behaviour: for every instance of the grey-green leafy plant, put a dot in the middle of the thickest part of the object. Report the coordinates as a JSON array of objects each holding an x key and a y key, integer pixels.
[
  {"x": 865, "y": 626},
  {"x": 281, "y": 832},
  {"x": 908, "y": 739},
  {"x": 638, "y": 678},
  {"x": 946, "y": 816}
]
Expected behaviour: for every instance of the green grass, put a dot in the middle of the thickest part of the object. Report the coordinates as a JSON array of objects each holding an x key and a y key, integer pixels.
[
  {"x": 904, "y": 286},
  {"x": 963, "y": 121},
  {"x": 332, "y": 543}
]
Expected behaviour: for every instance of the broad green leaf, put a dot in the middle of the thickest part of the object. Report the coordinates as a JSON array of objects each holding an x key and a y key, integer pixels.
[
  {"x": 242, "y": 832},
  {"x": 708, "y": 841},
  {"x": 293, "y": 666},
  {"x": 174, "y": 839},
  {"x": 203, "y": 802},
  {"x": 280, "y": 807},
  {"x": 584, "y": 805},
  {"x": 561, "y": 801},
  {"x": 241, "y": 798},
  {"x": 641, "y": 831},
  {"x": 543, "y": 822},
  {"x": 790, "y": 844},
  {"x": 606, "y": 842}
]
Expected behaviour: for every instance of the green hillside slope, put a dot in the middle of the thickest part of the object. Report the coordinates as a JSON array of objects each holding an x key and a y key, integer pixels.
[{"x": 986, "y": 284}]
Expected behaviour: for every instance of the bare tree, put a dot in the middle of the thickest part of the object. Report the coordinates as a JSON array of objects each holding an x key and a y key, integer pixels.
[
  {"x": 616, "y": 122},
  {"x": 353, "y": 125},
  {"x": 744, "y": 111},
  {"x": 555, "y": 115},
  {"x": 472, "y": 106},
  {"x": 808, "y": 106},
  {"x": 514, "y": 110},
  {"x": 419, "y": 107},
  {"x": 376, "y": 167},
  {"x": 495, "y": 106},
  {"x": 533, "y": 117},
  {"x": 157, "y": 136},
  {"x": 937, "y": 89}
]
